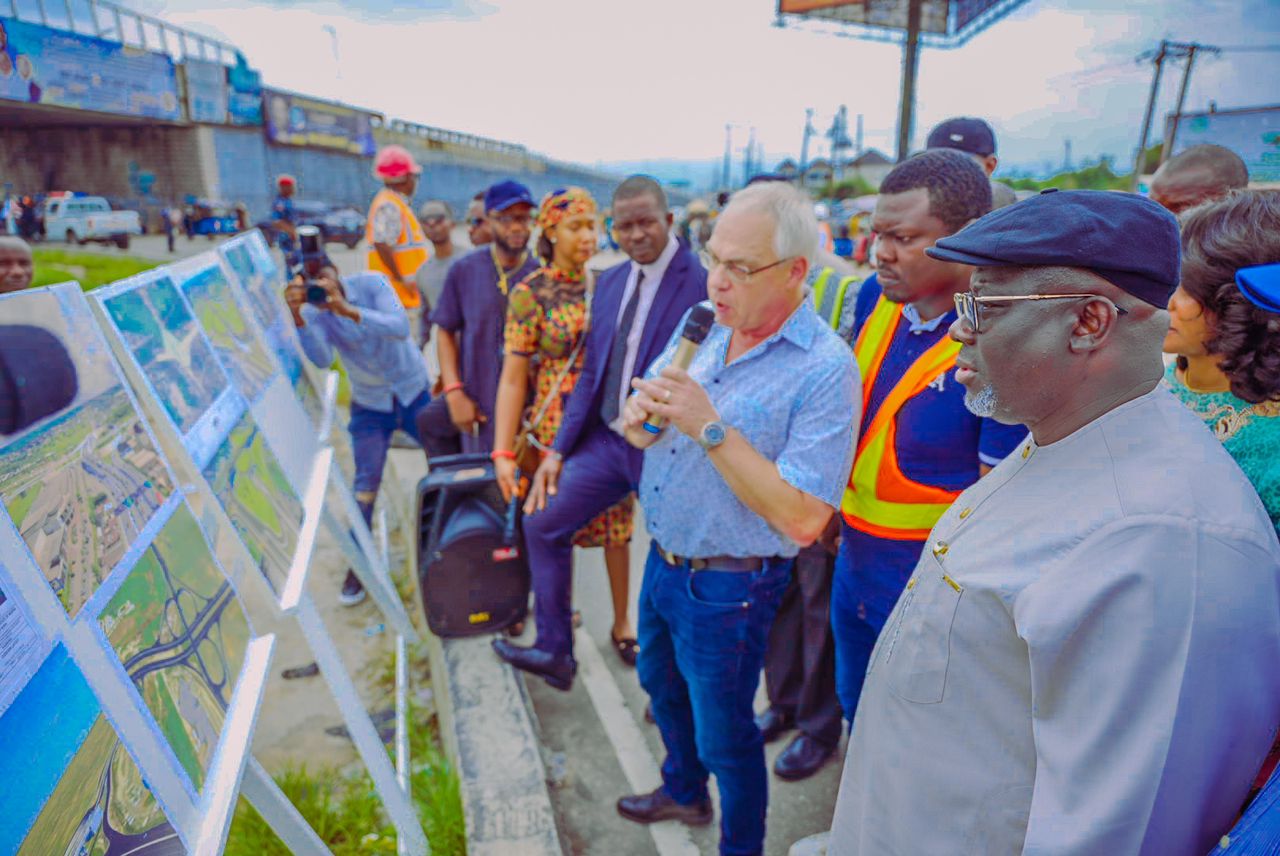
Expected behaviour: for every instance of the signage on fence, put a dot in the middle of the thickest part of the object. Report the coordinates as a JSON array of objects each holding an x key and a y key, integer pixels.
[
  {"x": 1252, "y": 134},
  {"x": 297, "y": 121},
  {"x": 244, "y": 98},
  {"x": 206, "y": 86},
  {"x": 41, "y": 65}
]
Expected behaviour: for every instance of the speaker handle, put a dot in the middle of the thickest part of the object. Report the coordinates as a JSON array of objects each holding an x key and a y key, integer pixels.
[{"x": 513, "y": 513}]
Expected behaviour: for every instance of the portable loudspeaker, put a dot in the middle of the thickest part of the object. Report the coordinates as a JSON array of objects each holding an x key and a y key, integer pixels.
[{"x": 472, "y": 569}]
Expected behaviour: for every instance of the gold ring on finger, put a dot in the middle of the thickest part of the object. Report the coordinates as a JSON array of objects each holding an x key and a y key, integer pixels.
[{"x": 668, "y": 398}]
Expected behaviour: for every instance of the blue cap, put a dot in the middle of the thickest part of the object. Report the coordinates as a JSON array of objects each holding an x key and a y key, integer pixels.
[
  {"x": 504, "y": 194},
  {"x": 1126, "y": 239},
  {"x": 964, "y": 134},
  {"x": 1261, "y": 285}
]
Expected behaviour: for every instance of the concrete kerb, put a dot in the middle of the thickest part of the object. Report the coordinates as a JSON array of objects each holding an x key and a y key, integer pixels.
[{"x": 488, "y": 731}]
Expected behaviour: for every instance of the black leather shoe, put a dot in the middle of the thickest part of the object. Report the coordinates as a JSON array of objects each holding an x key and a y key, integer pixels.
[
  {"x": 557, "y": 671},
  {"x": 656, "y": 805},
  {"x": 773, "y": 724},
  {"x": 802, "y": 758}
]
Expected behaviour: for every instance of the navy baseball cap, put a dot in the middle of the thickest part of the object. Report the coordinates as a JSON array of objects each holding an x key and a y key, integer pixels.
[
  {"x": 1126, "y": 239},
  {"x": 965, "y": 134},
  {"x": 504, "y": 194}
]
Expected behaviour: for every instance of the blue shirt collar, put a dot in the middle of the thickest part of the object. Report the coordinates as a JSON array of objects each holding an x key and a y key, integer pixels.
[{"x": 917, "y": 326}]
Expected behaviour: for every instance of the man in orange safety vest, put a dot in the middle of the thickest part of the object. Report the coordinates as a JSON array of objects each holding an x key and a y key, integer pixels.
[{"x": 397, "y": 245}]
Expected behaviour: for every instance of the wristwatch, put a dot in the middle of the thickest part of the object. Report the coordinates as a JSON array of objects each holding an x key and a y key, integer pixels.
[{"x": 712, "y": 435}]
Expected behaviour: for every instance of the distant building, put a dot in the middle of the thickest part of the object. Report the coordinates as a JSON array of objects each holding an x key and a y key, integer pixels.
[
  {"x": 871, "y": 166},
  {"x": 788, "y": 168}
]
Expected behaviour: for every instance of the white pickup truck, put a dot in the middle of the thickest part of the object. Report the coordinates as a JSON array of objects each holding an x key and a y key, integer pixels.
[{"x": 81, "y": 219}]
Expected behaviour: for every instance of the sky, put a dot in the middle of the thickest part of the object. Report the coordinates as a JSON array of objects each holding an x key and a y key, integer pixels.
[{"x": 606, "y": 81}]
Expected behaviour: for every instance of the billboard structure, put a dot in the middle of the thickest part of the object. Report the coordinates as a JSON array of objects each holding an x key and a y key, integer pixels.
[
  {"x": 933, "y": 23},
  {"x": 1251, "y": 132}
]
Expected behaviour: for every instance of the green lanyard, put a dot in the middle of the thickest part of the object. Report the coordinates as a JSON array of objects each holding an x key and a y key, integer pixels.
[{"x": 503, "y": 274}]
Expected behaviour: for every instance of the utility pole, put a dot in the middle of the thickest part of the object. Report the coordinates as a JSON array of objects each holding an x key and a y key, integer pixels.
[
  {"x": 857, "y": 139},
  {"x": 1171, "y": 132},
  {"x": 747, "y": 166},
  {"x": 1158, "y": 57},
  {"x": 804, "y": 143},
  {"x": 1066, "y": 156},
  {"x": 728, "y": 156},
  {"x": 910, "y": 62}
]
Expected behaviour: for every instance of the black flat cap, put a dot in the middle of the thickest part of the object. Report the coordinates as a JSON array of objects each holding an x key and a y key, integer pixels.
[{"x": 1126, "y": 239}]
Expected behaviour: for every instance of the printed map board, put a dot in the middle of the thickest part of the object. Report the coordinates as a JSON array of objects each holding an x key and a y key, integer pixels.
[
  {"x": 81, "y": 486},
  {"x": 96, "y": 541}
]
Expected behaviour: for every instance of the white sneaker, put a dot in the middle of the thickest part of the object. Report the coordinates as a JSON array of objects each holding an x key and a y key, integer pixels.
[{"x": 352, "y": 591}]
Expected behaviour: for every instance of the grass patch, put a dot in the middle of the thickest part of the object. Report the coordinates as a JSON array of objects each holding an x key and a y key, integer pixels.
[
  {"x": 90, "y": 269},
  {"x": 345, "y": 810}
]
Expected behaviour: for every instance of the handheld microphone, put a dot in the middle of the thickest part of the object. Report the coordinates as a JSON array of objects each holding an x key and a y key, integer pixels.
[
  {"x": 696, "y": 328},
  {"x": 37, "y": 376}
]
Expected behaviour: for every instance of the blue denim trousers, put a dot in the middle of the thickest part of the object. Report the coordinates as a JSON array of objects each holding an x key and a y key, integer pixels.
[
  {"x": 371, "y": 432},
  {"x": 702, "y": 641},
  {"x": 856, "y": 622}
]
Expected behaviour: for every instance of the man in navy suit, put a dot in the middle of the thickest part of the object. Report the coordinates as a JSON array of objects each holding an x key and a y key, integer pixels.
[{"x": 636, "y": 307}]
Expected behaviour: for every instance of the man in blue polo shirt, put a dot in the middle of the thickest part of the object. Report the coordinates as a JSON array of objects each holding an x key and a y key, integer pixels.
[
  {"x": 918, "y": 447},
  {"x": 469, "y": 326}
]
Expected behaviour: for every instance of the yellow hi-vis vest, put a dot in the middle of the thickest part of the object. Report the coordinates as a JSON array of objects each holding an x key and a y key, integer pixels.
[
  {"x": 410, "y": 250},
  {"x": 880, "y": 500}
]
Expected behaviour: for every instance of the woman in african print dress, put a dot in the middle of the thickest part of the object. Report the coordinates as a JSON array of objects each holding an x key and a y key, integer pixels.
[{"x": 547, "y": 315}]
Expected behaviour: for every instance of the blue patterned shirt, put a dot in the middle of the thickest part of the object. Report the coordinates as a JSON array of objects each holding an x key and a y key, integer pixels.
[{"x": 795, "y": 397}]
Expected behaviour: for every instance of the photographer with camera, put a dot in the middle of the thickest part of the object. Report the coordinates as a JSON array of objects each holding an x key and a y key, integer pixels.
[{"x": 361, "y": 318}]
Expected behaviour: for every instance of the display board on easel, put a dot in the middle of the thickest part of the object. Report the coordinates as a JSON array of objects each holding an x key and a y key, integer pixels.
[
  {"x": 132, "y": 676},
  {"x": 190, "y": 346}
]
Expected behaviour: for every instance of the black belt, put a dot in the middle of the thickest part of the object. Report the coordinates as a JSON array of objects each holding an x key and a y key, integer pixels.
[{"x": 712, "y": 563}]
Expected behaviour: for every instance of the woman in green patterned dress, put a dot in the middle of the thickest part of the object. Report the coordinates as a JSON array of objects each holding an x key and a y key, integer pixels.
[{"x": 1224, "y": 328}]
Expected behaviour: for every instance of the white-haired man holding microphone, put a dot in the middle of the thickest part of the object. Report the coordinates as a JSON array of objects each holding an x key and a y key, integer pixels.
[{"x": 749, "y": 468}]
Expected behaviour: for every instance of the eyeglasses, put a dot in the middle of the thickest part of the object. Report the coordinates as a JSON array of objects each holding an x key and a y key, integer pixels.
[
  {"x": 514, "y": 219},
  {"x": 967, "y": 304},
  {"x": 434, "y": 220},
  {"x": 476, "y": 221},
  {"x": 738, "y": 274}
]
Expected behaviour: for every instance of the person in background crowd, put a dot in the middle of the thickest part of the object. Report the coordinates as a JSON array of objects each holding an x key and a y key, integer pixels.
[
  {"x": 397, "y": 246},
  {"x": 170, "y": 224},
  {"x": 479, "y": 232},
  {"x": 28, "y": 220},
  {"x": 966, "y": 134},
  {"x": 1199, "y": 174},
  {"x": 591, "y": 467},
  {"x": 437, "y": 224},
  {"x": 548, "y": 317},
  {"x": 282, "y": 217},
  {"x": 1002, "y": 195},
  {"x": 919, "y": 447},
  {"x": 16, "y": 266},
  {"x": 1224, "y": 328},
  {"x": 975, "y": 138},
  {"x": 748, "y": 468},
  {"x": 1055, "y": 680},
  {"x": 364, "y": 322},
  {"x": 242, "y": 217},
  {"x": 469, "y": 326}
]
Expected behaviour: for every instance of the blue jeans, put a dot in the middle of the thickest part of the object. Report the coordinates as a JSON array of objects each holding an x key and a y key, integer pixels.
[
  {"x": 371, "y": 432},
  {"x": 702, "y": 643},
  {"x": 857, "y": 616}
]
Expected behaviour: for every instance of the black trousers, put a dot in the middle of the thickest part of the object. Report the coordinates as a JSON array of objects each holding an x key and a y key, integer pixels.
[
  {"x": 440, "y": 436},
  {"x": 800, "y": 663}
]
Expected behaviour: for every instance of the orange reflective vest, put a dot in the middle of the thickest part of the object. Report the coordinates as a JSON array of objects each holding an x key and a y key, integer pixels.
[
  {"x": 410, "y": 250},
  {"x": 880, "y": 500}
]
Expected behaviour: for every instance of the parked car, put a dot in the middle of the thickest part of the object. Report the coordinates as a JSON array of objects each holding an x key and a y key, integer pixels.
[
  {"x": 337, "y": 224},
  {"x": 81, "y": 219}
]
